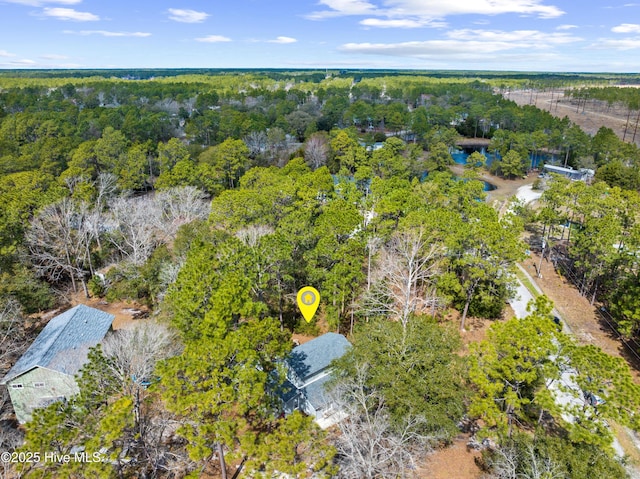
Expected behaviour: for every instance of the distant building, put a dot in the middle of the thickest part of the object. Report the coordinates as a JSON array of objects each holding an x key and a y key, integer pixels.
[
  {"x": 576, "y": 175},
  {"x": 307, "y": 373},
  {"x": 45, "y": 372},
  {"x": 372, "y": 146}
]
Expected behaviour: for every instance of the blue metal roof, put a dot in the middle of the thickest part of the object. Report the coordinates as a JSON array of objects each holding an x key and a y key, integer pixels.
[
  {"x": 310, "y": 358},
  {"x": 64, "y": 342}
]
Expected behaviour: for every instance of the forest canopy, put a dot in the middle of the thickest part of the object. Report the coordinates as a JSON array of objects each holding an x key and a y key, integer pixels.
[{"x": 212, "y": 197}]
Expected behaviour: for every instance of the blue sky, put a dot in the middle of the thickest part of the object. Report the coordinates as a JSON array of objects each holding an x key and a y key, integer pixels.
[{"x": 524, "y": 35}]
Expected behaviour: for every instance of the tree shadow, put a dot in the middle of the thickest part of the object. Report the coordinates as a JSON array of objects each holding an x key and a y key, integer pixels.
[{"x": 627, "y": 349}]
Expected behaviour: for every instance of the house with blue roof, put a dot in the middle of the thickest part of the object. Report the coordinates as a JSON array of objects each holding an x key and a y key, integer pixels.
[
  {"x": 45, "y": 373},
  {"x": 308, "y": 371}
]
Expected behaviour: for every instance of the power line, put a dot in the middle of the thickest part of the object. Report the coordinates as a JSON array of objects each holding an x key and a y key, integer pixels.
[{"x": 567, "y": 271}]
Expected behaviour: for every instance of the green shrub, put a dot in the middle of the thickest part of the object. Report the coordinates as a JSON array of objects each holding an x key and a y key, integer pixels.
[
  {"x": 32, "y": 294},
  {"x": 96, "y": 286},
  {"x": 308, "y": 329},
  {"x": 379, "y": 137}
]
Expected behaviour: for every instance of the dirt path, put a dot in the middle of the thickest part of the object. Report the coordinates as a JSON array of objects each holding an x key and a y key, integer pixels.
[
  {"x": 581, "y": 316},
  {"x": 454, "y": 462},
  {"x": 125, "y": 313},
  {"x": 505, "y": 189}
]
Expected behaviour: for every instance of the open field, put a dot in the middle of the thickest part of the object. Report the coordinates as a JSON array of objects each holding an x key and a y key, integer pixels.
[{"x": 589, "y": 116}]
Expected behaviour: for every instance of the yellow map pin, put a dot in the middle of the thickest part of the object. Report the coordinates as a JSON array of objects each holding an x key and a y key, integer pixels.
[{"x": 308, "y": 302}]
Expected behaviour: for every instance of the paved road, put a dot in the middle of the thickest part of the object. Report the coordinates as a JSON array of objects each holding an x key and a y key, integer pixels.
[
  {"x": 523, "y": 296},
  {"x": 566, "y": 382},
  {"x": 527, "y": 195}
]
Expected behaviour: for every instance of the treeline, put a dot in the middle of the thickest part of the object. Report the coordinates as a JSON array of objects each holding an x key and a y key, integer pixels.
[
  {"x": 629, "y": 97},
  {"x": 597, "y": 229},
  {"x": 150, "y": 73},
  {"x": 209, "y": 110},
  {"x": 606, "y": 98}
]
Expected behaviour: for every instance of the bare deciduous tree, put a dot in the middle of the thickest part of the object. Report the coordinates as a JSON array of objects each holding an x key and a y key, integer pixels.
[
  {"x": 179, "y": 206},
  {"x": 12, "y": 333},
  {"x": 408, "y": 263},
  {"x": 316, "y": 150},
  {"x": 14, "y": 341},
  {"x": 135, "y": 235},
  {"x": 140, "y": 224},
  {"x": 59, "y": 240},
  {"x": 72, "y": 182},
  {"x": 106, "y": 187},
  {"x": 168, "y": 275},
  {"x": 132, "y": 353},
  {"x": 252, "y": 234},
  {"x": 256, "y": 141},
  {"x": 512, "y": 463},
  {"x": 63, "y": 236},
  {"x": 368, "y": 445}
]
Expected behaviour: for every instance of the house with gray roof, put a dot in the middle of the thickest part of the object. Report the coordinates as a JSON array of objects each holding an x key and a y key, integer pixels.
[
  {"x": 45, "y": 372},
  {"x": 308, "y": 371}
]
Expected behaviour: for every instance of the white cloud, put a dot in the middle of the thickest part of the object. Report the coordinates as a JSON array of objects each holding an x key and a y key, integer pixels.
[
  {"x": 626, "y": 5},
  {"x": 523, "y": 38},
  {"x": 54, "y": 56},
  {"x": 616, "y": 44},
  {"x": 27, "y": 63},
  {"x": 4, "y": 53},
  {"x": 187, "y": 16},
  {"x": 626, "y": 28},
  {"x": 468, "y": 44},
  {"x": 566, "y": 27},
  {"x": 69, "y": 14},
  {"x": 425, "y": 49},
  {"x": 399, "y": 23},
  {"x": 106, "y": 33},
  {"x": 24, "y": 62},
  {"x": 340, "y": 8},
  {"x": 39, "y": 3},
  {"x": 449, "y": 52},
  {"x": 425, "y": 13},
  {"x": 213, "y": 39},
  {"x": 444, "y": 8},
  {"x": 283, "y": 40}
]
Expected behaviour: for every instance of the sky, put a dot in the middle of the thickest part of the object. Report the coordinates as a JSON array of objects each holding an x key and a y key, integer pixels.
[{"x": 502, "y": 35}]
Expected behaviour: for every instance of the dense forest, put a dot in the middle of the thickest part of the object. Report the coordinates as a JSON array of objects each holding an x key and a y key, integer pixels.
[{"x": 212, "y": 197}]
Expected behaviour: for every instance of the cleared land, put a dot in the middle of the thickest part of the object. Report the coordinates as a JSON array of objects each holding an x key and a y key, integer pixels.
[{"x": 590, "y": 115}]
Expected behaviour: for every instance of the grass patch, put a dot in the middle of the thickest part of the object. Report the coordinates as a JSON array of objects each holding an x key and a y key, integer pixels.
[
  {"x": 630, "y": 449},
  {"x": 524, "y": 279}
]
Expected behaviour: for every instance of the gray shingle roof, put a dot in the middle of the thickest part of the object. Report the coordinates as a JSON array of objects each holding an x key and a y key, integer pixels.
[
  {"x": 64, "y": 342},
  {"x": 312, "y": 357}
]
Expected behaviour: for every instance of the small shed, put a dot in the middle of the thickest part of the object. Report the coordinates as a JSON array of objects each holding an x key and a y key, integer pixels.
[
  {"x": 46, "y": 371},
  {"x": 308, "y": 371}
]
